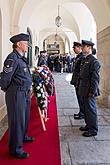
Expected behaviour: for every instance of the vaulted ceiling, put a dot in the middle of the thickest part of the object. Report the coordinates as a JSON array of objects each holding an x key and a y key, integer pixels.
[
  {"x": 42, "y": 13},
  {"x": 80, "y": 17}
]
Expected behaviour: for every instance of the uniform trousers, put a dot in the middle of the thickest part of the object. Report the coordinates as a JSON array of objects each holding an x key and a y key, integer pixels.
[
  {"x": 18, "y": 111},
  {"x": 80, "y": 102},
  {"x": 90, "y": 111}
]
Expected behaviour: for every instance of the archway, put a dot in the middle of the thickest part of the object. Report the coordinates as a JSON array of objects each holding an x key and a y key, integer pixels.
[{"x": 54, "y": 44}]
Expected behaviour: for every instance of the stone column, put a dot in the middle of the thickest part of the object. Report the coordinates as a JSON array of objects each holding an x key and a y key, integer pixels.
[{"x": 103, "y": 43}]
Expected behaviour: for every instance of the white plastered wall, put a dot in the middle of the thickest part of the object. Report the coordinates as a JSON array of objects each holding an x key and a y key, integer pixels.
[{"x": 4, "y": 46}]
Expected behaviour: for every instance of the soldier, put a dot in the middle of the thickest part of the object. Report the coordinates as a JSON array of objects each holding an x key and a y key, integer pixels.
[
  {"x": 15, "y": 81},
  {"x": 88, "y": 88},
  {"x": 50, "y": 62},
  {"x": 42, "y": 60},
  {"x": 76, "y": 69}
]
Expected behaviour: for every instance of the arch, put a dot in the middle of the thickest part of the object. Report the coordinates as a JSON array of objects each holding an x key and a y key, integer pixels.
[
  {"x": 68, "y": 21},
  {"x": 84, "y": 19},
  {"x": 100, "y": 11},
  {"x": 67, "y": 12},
  {"x": 45, "y": 33},
  {"x": 54, "y": 40},
  {"x": 29, "y": 54},
  {"x": 15, "y": 11},
  {"x": 65, "y": 34},
  {"x": 21, "y": 11}
]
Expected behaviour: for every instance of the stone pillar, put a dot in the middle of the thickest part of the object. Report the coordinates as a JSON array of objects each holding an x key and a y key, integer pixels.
[{"x": 103, "y": 43}]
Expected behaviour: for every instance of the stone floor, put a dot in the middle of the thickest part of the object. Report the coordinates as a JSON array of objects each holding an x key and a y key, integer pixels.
[
  {"x": 76, "y": 149},
  {"x": 3, "y": 126}
]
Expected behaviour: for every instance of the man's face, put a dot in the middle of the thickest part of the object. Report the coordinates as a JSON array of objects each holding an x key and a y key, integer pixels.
[
  {"x": 23, "y": 46},
  {"x": 86, "y": 49},
  {"x": 77, "y": 49}
]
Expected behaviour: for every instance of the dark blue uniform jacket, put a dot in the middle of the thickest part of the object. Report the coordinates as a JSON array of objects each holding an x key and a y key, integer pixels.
[
  {"x": 16, "y": 74},
  {"x": 89, "y": 76},
  {"x": 76, "y": 69}
]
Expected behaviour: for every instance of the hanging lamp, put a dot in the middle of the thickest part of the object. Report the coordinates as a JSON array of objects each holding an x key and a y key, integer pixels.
[{"x": 58, "y": 19}]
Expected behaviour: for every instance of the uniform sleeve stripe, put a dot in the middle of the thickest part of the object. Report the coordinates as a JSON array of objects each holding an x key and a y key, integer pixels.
[{"x": 7, "y": 70}]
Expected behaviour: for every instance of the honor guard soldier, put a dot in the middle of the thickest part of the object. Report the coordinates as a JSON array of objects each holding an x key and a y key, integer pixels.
[
  {"x": 88, "y": 88},
  {"x": 76, "y": 69},
  {"x": 15, "y": 81}
]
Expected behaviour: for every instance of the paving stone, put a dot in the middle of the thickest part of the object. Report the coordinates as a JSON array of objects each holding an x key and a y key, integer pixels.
[
  {"x": 77, "y": 122},
  {"x": 60, "y": 112},
  {"x": 78, "y": 135},
  {"x": 65, "y": 104},
  {"x": 107, "y": 118},
  {"x": 72, "y": 111},
  {"x": 103, "y": 111},
  {"x": 66, "y": 134},
  {"x": 89, "y": 152},
  {"x": 64, "y": 121},
  {"x": 102, "y": 121},
  {"x": 3, "y": 126},
  {"x": 103, "y": 134},
  {"x": 65, "y": 98},
  {"x": 62, "y": 95},
  {"x": 2, "y": 131},
  {"x": 67, "y": 88},
  {"x": 65, "y": 157}
]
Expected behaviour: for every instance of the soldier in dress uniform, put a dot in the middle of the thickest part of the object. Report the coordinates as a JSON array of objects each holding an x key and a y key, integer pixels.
[
  {"x": 15, "y": 81},
  {"x": 88, "y": 88},
  {"x": 76, "y": 69}
]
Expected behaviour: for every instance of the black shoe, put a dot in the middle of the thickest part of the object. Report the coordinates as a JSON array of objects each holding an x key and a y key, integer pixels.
[
  {"x": 28, "y": 139},
  {"x": 76, "y": 114},
  {"x": 89, "y": 134},
  {"x": 83, "y": 128},
  {"x": 79, "y": 117},
  {"x": 20, "y": 155}
]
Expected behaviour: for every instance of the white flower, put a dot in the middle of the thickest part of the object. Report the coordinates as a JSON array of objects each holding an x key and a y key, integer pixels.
[
  {"x": 42, "y": 90},
  {"x": 38, "y": 87},
  {"x": 38, "y": 95}
]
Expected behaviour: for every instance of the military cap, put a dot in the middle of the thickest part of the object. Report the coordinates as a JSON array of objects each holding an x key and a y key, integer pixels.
[
  {"x": 78, "y": 44},
  {"x": 85, "y": 42},
  {"x": 19, "y": 37}
]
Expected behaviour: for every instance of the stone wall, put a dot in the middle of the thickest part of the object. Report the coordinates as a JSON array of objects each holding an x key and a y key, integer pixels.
[{"x": 103, "y": 43}]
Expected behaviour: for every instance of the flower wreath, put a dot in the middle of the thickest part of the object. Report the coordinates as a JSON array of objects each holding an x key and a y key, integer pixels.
[{"x": 43, "y": 83}]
